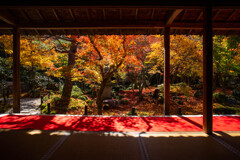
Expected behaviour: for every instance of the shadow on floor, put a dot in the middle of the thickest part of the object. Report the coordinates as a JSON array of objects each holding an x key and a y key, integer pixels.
[{"x": 34, "y": 144}]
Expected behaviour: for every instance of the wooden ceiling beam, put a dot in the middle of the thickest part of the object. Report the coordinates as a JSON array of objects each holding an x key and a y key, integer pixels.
[
  {"x": 72, "y": 15},
  {"x": 189, "y": 32},
  {"x": 104, "y": 13},
  {"x": 200, "y": 15},
  {"x": 37, "y": 31},
  {"x": 136, "y": 14},
  {"x": 231, "y": 15},
  {"x": 7, "y": 18},
  {"x": 51, "y": 33},
  {"x": 88, "y": 16},
  {"x": 173, "y": 16},
  {"x": 55, "y": 14},
  {"x": 152, "y": 15},
  {"x": 216, "y": 14},
  {"x": 40, "y": 15},
  {"x": 120, "y": 13}
]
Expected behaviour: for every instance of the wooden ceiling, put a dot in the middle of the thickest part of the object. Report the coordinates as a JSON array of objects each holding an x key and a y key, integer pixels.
[{"x": 115, "y": 19}]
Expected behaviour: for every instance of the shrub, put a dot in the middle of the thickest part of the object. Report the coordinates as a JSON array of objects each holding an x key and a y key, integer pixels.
[
  {"x": 43, "y": 105},
  {"x": 160, "y": 87},
  {"x": 219, "y": 97},
  {"x": 55, "y": 99},
  {"x": 53, "y": 112},
  {"x": 124, "y": 101},
  {"x": 198, "y": 93},
  {"x": 226, "y": 110},
  {"x": 83, "y": 97},
  {"x": 236, "y": 94},
  {"x": 121, "y": 96},
  {"x": 180, "y": 89},
  {"x": 76, "y": 92},
  {"x": 44, "y": 108},
  {"x": 179, "y": 101},
  {"x": 161, "y": 98},
  {"x": 89, "y": 102}
]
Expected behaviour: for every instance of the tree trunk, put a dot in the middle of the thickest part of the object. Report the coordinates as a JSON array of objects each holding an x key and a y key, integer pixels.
[
  {"x": 99, "y": 100},
  {"x": 68, "y": 84}
]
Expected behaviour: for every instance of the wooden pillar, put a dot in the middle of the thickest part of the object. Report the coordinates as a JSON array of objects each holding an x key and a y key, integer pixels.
[
  {"x": 16, "y": 70},
  {"x": 207, "y": 70},
  {"x": 166, "y": 71}
]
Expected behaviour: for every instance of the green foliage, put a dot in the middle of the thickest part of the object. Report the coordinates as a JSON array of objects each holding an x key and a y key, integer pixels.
[
  {"x": 44, "y": 108},
  {"x": 76, "y": 91},
  {"x": 220, "y": 109},
  {"x": 130, "y": 113},
  {"x": 177, "y": 89},
  {"x": 143, "y": 113},
  {"x": 226, "y": 57},
  {"x": 180, "y": 89},
  {"x": 55, "y": 99},
  {"x": 219, "y": 97},
  {"x": 53, "y": 112},
  {"x": 89, "y": 102}
]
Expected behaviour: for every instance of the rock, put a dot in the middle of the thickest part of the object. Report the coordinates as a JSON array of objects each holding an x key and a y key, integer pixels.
[
  {"x": 156, "y": 93},
  {"x": 111, "y": 102},
  {"x": 231, "y": 101}
]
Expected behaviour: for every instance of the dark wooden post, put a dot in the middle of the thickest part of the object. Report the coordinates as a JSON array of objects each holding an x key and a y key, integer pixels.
[
  {"x": 16, "y": 70},
  {"x": 207, "y": 70},
  {"x": 166, "y": 71}
]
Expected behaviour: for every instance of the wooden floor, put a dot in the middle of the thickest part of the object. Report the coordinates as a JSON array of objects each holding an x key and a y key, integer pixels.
[{"x": 38, "y": 144}]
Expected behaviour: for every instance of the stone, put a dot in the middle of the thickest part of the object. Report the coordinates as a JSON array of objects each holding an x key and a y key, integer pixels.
[
  {"x": 111, "y": 102},
  {"x": 156, "y": 93},
  {"x": 107, "y": 92}
]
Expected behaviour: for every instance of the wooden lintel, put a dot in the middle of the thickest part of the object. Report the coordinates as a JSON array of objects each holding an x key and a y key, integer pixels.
[
  {"x": 173, "y": 16},
  {"x": 121, "y": 25}
]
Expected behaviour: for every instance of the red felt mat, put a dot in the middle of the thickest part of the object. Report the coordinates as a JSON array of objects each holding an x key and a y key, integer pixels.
[{"x": 117, "y": 124}]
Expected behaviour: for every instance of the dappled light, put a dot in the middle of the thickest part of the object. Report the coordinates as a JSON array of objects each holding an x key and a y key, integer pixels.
[{"x": 117, "y": 124}]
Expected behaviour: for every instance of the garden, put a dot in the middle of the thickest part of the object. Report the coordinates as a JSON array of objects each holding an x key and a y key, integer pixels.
[{"x": 112, "y": 74}]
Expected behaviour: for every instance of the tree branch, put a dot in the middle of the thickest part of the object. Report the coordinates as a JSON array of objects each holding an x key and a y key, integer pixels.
[{"x": 99, "y": 53}]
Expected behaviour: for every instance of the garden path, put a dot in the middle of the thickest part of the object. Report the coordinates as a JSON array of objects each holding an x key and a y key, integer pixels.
[{"x": 29, "y": 106}]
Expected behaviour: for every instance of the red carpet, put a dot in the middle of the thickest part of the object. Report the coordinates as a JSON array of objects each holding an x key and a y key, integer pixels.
[{"x": 117, "y": 124}]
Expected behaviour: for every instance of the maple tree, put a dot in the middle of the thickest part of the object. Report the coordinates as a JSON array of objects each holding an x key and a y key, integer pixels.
[
  {"x": 34, "y": 56},
  {"x": 226, "y": 57},
  {"x": 101, "y": 56},
  {"x": 185, "y": 56}
]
